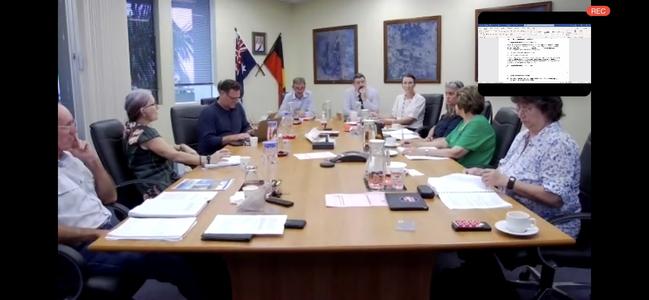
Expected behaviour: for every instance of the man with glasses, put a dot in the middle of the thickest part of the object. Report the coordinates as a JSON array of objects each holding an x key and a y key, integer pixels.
[
  {"x": 84, "y": 188},
  {"x": 223, "y": 122}
]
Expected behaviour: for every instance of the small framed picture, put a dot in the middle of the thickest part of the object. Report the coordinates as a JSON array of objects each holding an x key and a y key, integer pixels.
[{"x": 258, "y": 43}]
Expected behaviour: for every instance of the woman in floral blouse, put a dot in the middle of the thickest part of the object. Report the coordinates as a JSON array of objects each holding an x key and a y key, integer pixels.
[{"x": 541, "y": 169}]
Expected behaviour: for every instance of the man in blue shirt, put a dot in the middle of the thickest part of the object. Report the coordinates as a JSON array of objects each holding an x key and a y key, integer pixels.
[
  {"x": 299, "y": 101},
  {"x": 223, "y": 122},
  {"x": 367, "y": 97}
]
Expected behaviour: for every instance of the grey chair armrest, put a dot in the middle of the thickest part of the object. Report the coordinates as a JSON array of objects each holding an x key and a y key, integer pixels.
[
  {"x": 71, "y": 272},
  {"x": 119, "y": 210},
  {"x": 555, "y": 221},
  {"x": 136, "y": 181}
]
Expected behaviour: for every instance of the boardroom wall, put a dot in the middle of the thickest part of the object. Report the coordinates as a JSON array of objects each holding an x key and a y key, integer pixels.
[{"x": 105, "y": 78}]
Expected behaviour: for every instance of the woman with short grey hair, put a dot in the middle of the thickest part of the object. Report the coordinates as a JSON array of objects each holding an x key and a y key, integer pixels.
[{"x": 450, "y": 119}]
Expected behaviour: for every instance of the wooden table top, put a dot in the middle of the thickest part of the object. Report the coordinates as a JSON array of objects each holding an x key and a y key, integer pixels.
[{"x": 344, "y": 229}]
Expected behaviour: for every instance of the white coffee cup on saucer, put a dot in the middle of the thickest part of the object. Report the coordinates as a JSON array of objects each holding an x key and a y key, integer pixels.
[{"x": 519, "y": 221}]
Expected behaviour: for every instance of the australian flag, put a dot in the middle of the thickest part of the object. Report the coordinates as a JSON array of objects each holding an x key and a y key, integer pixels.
[{"x": 243, "y": 61}]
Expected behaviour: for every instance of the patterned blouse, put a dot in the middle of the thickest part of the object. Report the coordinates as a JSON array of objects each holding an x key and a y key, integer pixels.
[
  {"x": 146, "y": 164},
  {"x": 549, "y": 159}
]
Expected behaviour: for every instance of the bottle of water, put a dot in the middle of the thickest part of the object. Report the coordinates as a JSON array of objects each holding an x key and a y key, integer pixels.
[
  {"x": 270, "y": 159},
  {"x": 286, "y": 125}
]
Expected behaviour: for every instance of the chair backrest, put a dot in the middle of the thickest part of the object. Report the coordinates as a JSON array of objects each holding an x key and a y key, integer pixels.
[
  {"x": 208, "y": 101},
  {"x": 107, "y": 136},
  {"x": 506, "y": 125},
  {"x": 432, "y": 109},
  {"x": 584, "y": 236},
  {"x": 487, "y": 111},
  {"x": 184, "y": 121}
]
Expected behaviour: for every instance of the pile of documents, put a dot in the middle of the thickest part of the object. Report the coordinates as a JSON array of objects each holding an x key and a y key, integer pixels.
[
  {"x": 173, "y": 205},
  {"x": 463, "y": 191},
  {"x": 170, "y": 229}
]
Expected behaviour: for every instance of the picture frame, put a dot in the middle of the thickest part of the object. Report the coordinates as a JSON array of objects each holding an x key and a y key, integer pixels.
[
  {"x": 535, "y": 6},
  {"x": 335, "y": 54},
  {"x": 259, "y": 43},
  {"x": 412, "y": 46}
]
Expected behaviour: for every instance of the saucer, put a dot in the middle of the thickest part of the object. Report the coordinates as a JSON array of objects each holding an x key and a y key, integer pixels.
[
  {"x": 502, "y": 226},
  {"x": 393, "y": 152},
  {"x": 392, "y": 145}
]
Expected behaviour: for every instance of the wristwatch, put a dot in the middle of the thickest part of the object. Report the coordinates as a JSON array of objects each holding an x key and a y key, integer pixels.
[{"x": 510, "y": 182}]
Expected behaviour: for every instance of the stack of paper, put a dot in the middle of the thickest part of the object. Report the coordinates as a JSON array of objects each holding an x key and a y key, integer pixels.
[
  {"x": 173, "y": 205},
  {"x": 247, "y": 224},
  {"x": 170, "y": 229},
  {"x": 356, "y": 200},
  {"x": 190, "y": 184},
  {"x": 314, "y": 155},
  {"x": 228, "y": 161},
  {"x": 401, "y": 134},
  {"x": 463, "y": 191}
]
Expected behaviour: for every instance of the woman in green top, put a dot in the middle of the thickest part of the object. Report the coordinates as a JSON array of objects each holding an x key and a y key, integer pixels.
[
  {"x": 149, "y": 156},
  {"x": 473, "y": 142}
]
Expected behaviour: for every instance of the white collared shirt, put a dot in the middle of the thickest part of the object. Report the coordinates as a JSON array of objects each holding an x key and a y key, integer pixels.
[{"x": 79, "y": 205}]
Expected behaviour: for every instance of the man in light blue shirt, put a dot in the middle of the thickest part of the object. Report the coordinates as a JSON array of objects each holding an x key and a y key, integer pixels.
[
  {"x": 299, "y": 101},
  {"x": 360, "y": 92}
]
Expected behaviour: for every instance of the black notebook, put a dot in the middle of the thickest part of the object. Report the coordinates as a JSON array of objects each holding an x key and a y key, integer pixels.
[{"x": 405, "y": 201}]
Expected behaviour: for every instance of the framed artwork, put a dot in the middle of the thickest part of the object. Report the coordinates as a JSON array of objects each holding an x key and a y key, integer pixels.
[
  {"x": 412, "y": 46},
  {"x": 536, "y": 6},
  {"x": 335, "y": 54},
  {"x": 258, "y": 43}
]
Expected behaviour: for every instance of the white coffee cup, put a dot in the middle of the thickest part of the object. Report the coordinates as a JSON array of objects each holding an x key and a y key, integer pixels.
[
  {"x": 253, "y": 141},
  {"x": 390, "y": 141},
  {"x": 519, "y": 221}
]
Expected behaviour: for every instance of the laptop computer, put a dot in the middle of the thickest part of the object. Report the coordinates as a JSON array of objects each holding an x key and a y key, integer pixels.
[{"x": 262, "y": 127}]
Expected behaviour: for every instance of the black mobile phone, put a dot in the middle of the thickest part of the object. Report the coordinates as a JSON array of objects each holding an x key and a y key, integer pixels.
[
  {"x": 279, "y": 201},
  {"x": 425, "y": 191},
  {"x": 295, "y": 223},
  {"x": 244, "y": 237}
]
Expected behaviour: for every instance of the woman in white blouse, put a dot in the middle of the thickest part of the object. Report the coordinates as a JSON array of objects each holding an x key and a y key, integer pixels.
[{"x": 408, "y": 108}]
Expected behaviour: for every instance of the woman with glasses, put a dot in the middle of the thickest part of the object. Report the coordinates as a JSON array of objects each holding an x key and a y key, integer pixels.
[
  {"x": 448, "y": 121},
  {"x": 541, "y": 169},
  {"x": 473, "y": 141},
  {"x": 149, "y": 155}
]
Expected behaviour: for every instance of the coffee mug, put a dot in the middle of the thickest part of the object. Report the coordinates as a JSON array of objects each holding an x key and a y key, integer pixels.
[{"x": 519, "y": 221}]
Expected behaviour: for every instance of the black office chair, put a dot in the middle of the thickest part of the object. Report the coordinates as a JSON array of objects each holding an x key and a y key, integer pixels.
[
  {"x": 578, "y": 256},
  {"x": 432, "y": 112},
  {"x": 506, "y": 125},
  {"x": 208, "y": 101},
  {"x": 74, "y": 282},
  {"x": 184, "y": 120},
  {"x": 487, "y": 111},
  {"x": 107, "y": 136}
]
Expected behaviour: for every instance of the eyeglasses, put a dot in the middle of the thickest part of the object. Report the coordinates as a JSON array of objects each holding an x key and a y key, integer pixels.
[
  {"x": 524, "y": 109},
  {"x": 69, "y": 126},
  {"x": 152, "y": 104}
]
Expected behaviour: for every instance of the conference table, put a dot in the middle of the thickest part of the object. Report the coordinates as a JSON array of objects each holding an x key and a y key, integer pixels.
[{"x": 342, "y": 253}]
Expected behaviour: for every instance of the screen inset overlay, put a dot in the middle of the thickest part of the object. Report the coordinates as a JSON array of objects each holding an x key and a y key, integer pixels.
[{"x": 534, "y": 53}]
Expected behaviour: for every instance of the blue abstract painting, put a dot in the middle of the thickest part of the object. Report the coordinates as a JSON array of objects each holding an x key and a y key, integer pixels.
[
  {"x": 412, "y": 46},
  {"x": 335, "y": 54}
]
